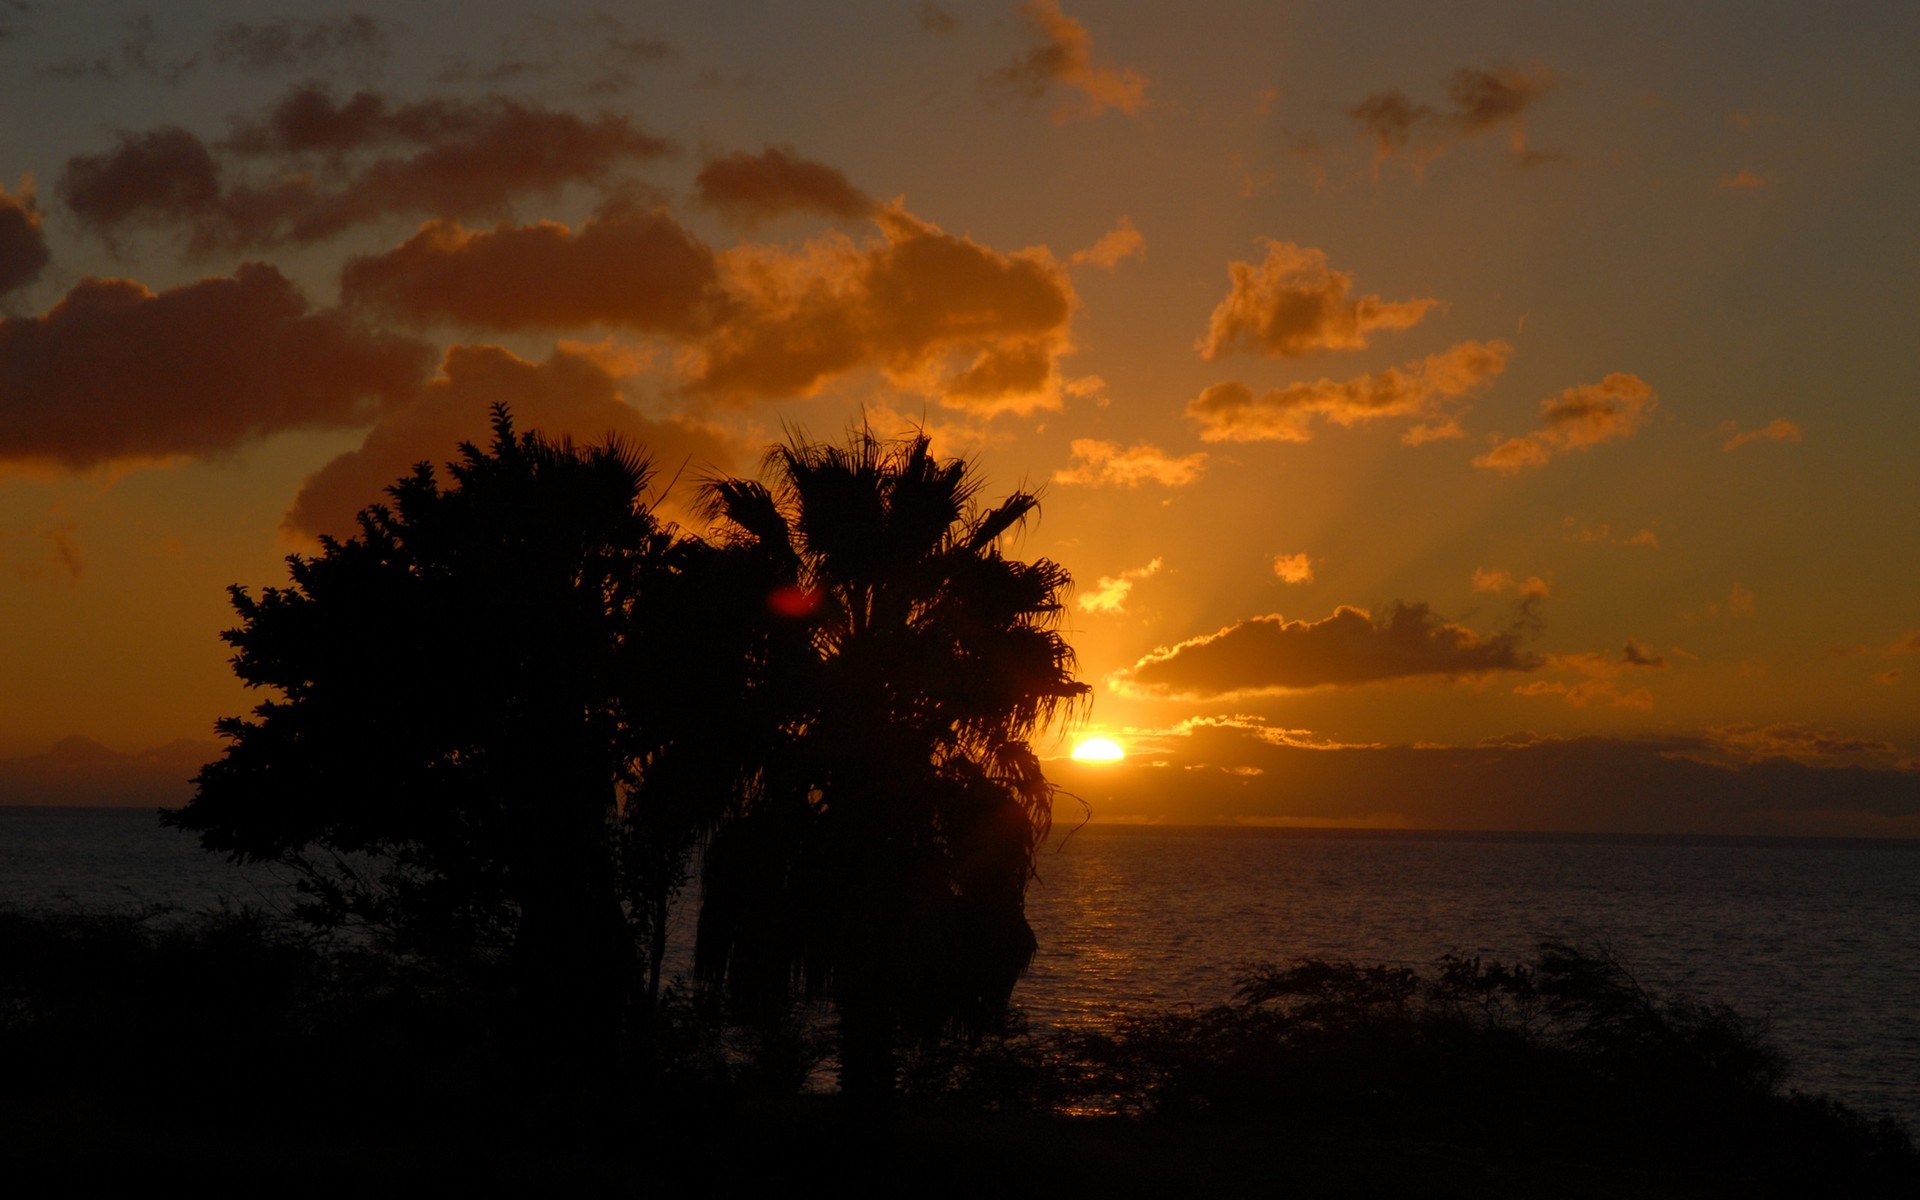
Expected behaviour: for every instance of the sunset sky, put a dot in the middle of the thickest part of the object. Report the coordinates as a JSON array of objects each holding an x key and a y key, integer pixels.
[{"x": 1488, "y": 416}]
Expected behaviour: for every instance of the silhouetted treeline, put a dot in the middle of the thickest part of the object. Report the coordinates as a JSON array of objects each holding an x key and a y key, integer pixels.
[
  {"x": 501, "y": 717},
  {"x": 230, "y": 1046}
]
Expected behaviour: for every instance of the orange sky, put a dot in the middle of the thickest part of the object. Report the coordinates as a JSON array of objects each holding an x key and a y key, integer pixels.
[{"x": 1489, "y": 416}]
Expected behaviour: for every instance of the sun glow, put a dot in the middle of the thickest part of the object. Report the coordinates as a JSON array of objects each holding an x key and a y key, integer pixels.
[{"x": 1098, "y": 750}]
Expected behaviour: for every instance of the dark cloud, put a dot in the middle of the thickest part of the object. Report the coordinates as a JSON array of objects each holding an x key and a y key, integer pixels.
[
  {"x": 133, "y": 56},
  {"x": 935, "y": 19},
  {"x": 628, "y": 267},
  {"x": 938, "y": 314},
  {"x": 298, "y": 43},
  {"x": 1063, "y": 54},
  {"x": 1390, "y": 118},
  {"x": 575, "y": 392},
  {"x": 1483, "y": 99},
  {"x": 117, "y": 372},
  {"x": 1239, "y": 770},
  {"x": 1481, "y": 102},
  {"x": 332, "y": 164},
  {"x": 1294, "y": 304},
  {"x": 1270, "y": 654},
  {"x": 1637, "y": 655},
  {"x": 752, "y": 188},
  {"x": 23, "y": 245}
]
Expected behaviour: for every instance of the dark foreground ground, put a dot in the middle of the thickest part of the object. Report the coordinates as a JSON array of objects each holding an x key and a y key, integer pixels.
[{"x": 228, "y": 1053}]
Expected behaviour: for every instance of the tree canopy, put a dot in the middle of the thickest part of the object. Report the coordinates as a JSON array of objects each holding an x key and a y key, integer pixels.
[
  {"x": 884, "y": 860},
  {"x": 446, "y": 746}
]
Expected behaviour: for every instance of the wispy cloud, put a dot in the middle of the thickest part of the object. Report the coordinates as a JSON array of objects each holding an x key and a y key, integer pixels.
[
  {"x": 1579, "y": 418},
  {"x": 1062, "y": 54},
  {"x": 1232, "y": 412},
  {"x": 1109, "y": 464}
]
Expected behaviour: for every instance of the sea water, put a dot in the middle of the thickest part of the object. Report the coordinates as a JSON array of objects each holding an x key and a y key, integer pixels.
[{"x": 1819, "y": 939}]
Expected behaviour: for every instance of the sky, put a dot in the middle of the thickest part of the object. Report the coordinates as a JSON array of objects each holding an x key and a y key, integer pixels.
[{"x": 1496, "y": 415}]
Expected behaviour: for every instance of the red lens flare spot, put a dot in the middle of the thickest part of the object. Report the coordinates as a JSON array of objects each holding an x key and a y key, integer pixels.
[{"x": 792, "y": 600}]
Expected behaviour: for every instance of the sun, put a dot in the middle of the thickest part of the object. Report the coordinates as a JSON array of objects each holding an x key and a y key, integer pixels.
[{"x": 1098, "y": 749}]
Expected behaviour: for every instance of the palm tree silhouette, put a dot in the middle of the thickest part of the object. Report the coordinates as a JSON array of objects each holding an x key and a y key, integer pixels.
[{"x": 881, "y": 856}]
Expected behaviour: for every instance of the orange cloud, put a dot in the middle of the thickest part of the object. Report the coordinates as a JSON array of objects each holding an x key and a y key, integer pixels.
[
  {"x": 1745, "y": 180},
  {"x": 1294, "y": 304},
  {"x": 1579, "y": 418},
  {"x": 1531, "y": 588},
  {"x": 1121, "y": 242},
  {"x": 628, "y": 266},
  {"x": 575, "y": 392},
  {"x": 942, "y": 315},
  {"x": 1604, "y": 533},
  {"x": 750, "y": 189},
  {"x": 23, "y": 246},
  {"x": 115, "y": 372},
  {"x": 1064, "y": 56},
  {"x": 1110, "y": 594},
  {"x": 1293, "y": 568},
  {"x": 1597, "y": 678},
  {"x": 333, "y": 165},
  {"x": 1271, "y": 654},
  {"x": 1108, "y": 464},
  {"x": 1232, "y": 412},
  {"x": 1777, "y": 430}
]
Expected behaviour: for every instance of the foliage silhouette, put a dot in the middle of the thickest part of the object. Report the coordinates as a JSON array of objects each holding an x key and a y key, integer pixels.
[
  {"x": 449, "y": 756},
  {"x": 881, "y": 857}
]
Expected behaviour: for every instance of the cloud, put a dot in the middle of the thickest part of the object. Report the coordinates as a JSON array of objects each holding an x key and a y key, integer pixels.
[
  {"x": 297, "y": 43},
  {"x": 1293, "y": 568},
  {"x": 1597, "y": 678},
  {"x": 1745, "y": 180},
  {"x": 23, "y": 245},
  {"x": 133, "y": 56},
  {"x": 942, "y": 315},
  {"x": 1531, "y": 588},
  {"x": 1294, "y": 304},
  {"x": 1271, "y": 654},
  {"x": 1240, "y": 770},
  {"x": 115, "y": 372},
  {"x": 1777, "y": 430},
  {"x": 1604, "y": 533},
  {"x": 935, "y": 19},
  {"x": 1636, "y": 655},
  {"x": 333, "y": 165},
  {"x": 1108, "y": 464},
  {"x": 575, "y": 392},
  {"x": 1110, "y": 594},
  {"x": 750, "y": 189},
  {"x": 1481, "y": 102},
  {"x": 1740, "y": 602},
  {"x": 1116, "y": 245},
  {"x": 971, "y": 327},
  {"x": 1064, "y": 55},
  {"x": 629, "y": 267},
  {"x": 1795, "y": 741},
  {"x": 1579, "y": 418},
  {"x": 1232, "y": 412}
]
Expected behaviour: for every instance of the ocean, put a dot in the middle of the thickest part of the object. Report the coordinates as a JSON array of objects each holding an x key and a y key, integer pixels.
[{"x": 1818, "y": 938}]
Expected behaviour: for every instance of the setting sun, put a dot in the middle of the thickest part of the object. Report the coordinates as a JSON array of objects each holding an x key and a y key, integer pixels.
[{"x": 1098, "y": 750}]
